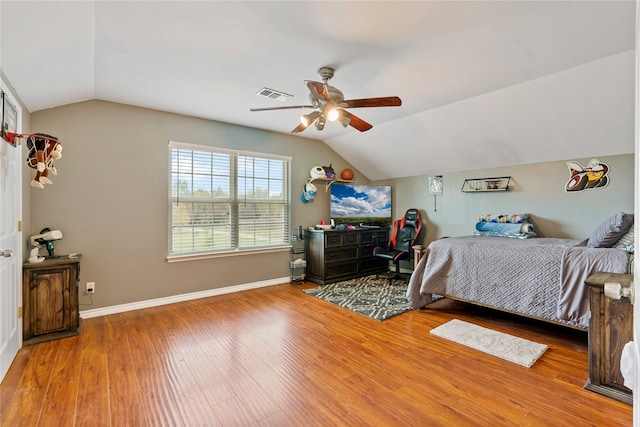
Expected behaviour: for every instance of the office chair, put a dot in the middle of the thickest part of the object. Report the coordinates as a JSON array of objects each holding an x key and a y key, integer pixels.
[{"x": 403, "y": 236}]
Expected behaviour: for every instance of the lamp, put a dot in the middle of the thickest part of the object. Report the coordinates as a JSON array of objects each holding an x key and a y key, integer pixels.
[
  {"x": 344, "y": 121},
  {"x": 307, "y": 119},
  {"x": 435, "y": 189},
  {"x": 333, "y": 114},
  {"x": 338, "y": 114}
]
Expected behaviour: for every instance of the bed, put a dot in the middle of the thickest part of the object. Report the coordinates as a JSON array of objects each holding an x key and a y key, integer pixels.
[{"x": 537, "y": 277}]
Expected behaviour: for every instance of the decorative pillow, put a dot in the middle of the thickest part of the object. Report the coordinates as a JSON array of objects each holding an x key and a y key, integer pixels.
[
  {"x": 626, "y": 242},
  {"x": 505, "y": 218},
  {"x": 611, "y": 230}
]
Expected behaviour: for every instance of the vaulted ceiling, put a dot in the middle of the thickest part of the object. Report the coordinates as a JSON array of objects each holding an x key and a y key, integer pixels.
[{"x": 482, "y": 83}]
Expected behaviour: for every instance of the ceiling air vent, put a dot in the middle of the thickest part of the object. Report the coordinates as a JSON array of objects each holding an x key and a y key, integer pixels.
[{"x": 274, "y": 94}]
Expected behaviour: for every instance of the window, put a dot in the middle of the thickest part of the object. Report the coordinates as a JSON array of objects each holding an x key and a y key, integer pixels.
[{"x": 224, "y": 201}]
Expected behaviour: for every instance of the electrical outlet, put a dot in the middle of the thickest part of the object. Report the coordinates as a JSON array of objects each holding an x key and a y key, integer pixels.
[{"x": 91, "y": 287}]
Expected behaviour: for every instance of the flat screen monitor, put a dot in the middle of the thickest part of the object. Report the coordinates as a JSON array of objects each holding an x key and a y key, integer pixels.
[{"x": 361, "y": 205}]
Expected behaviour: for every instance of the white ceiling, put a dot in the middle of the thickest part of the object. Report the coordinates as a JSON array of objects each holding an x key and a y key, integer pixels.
[{"x": 483, "y": 83}]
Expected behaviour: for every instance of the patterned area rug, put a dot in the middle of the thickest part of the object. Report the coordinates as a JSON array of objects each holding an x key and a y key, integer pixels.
[{"x": 371, "y": 296}]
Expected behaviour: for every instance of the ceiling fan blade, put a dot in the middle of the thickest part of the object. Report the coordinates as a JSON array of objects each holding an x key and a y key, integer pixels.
[
  {"x": 356, "y": 122},
  {"x": 389, "y": 101},
  {"x": 282, "y": 108},
  {"x": 309, "y": 119},
  {"x": 318, "y": 90}
]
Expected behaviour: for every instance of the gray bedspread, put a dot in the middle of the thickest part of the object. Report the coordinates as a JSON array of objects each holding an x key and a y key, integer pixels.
[{"x": 541, "y": 277}]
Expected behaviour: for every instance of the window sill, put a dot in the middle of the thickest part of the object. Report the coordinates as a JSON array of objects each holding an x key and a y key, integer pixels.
[{"x": 194, "y": 257}]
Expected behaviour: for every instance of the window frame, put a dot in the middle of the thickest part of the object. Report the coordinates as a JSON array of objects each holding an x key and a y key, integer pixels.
[{"x": 235, "y": 200}]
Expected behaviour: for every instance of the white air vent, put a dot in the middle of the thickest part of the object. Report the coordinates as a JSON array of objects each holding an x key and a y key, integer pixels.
[{"x": 274, "y": 94}]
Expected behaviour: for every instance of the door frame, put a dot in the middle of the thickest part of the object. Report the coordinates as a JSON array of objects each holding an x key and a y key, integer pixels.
[{"x": 17, "y": 257}]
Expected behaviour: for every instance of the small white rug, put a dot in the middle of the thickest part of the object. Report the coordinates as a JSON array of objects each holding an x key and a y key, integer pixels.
[{"x": 505, "y": 346}]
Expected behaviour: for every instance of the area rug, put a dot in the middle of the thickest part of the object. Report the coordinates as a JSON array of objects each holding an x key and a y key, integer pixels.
[
  {"x": 507, "y": 347},
  {"x": 372, "y": 296}
]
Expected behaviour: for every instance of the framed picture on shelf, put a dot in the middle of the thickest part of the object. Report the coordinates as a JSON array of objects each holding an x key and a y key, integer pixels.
[{"x": 9, "y": 118}]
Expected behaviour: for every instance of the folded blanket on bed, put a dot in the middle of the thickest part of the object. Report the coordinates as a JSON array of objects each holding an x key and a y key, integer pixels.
[
  {"x": 506, "y": 228},
  {"x": 501, "y": 229}
]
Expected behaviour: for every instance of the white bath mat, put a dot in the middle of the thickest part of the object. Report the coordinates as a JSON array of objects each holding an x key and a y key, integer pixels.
[{"x": 507, "y": 347}]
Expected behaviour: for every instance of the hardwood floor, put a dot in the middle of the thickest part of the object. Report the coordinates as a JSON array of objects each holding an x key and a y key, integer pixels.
[{"x": 278, "y": 357}]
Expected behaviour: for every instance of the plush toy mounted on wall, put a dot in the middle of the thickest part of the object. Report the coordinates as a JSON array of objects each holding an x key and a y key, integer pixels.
[{"x": 42, "y": 149}]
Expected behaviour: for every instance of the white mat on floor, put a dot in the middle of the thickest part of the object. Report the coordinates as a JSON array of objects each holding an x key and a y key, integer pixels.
[{"x": 507, "y": 347}]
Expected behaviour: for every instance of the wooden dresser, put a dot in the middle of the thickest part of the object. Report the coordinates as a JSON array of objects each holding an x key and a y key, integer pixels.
[
  {"x": 610, "y": 328},
  {"x": 50, "y": 299},
  {"x": 335, "y": 255}
]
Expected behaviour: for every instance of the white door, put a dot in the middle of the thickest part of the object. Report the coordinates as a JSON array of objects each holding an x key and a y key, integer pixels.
[{"x": 10, "y": 253}]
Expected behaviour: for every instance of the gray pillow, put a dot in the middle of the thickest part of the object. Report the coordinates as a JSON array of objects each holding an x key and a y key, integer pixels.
[{"x": 611, "y": 230}]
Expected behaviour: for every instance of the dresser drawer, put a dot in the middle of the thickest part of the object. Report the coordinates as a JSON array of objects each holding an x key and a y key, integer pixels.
[
  {"x": 373, "y": 264},
  {"x": 366, "y": 251},
  {"x": 332, "y": 240},
  {"x": 377, "y": 237},
  {"x": 341, "y": 254},
  {"x": 341, "y": 270}
]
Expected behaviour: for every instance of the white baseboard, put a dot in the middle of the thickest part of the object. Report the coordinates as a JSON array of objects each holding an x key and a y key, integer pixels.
[{"x": 97, "y": 312}]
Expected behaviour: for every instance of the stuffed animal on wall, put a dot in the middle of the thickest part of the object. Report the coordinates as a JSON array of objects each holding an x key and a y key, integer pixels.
[{"x": 43, "y": 150}]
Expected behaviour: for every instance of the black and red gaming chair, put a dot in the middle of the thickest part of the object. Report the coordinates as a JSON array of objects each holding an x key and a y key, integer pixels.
[{"x": 403, "y": 236}]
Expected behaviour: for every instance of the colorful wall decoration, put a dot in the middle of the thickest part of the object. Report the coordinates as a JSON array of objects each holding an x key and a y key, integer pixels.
[{"x": 594, "y": 175}]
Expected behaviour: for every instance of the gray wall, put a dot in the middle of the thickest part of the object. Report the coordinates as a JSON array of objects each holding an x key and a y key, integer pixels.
[
  {"x": 110, "y": 198},
  {"x": 537, "y": 189}
]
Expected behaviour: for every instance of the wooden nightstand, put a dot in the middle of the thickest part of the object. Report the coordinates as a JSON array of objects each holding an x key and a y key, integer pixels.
[
  {"x": 610, "y": 328},
  {"x": 50, "y": 299},
  {"x": 418, "y": 252}
]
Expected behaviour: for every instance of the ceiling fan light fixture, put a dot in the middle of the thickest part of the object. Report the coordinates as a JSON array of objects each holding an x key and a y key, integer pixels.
[
  {"x": 333, "y": 114},
  {"x": 329, "y": 104},
  {"x": 307, "y": 119},
  {"x": 344, "y": 121}
]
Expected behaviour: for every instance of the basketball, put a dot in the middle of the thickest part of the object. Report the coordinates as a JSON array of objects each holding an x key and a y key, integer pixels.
[{"x": 346, "y": 174}]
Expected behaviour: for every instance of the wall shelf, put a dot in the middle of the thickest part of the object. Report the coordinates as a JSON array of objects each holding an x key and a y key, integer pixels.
[
  {"x": 486, "y": 185},
  {"x": 327, "y": 182}
]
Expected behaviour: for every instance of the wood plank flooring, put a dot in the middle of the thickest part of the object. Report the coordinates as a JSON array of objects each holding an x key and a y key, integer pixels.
[{"x": 278, "y": 357}]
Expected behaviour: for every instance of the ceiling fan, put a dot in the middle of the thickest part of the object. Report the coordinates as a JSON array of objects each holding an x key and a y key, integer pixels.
[{"x": 329, "y": 104}]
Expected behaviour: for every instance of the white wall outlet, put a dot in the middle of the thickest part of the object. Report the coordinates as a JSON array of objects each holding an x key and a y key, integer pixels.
[{"x": 91, "y": 287}]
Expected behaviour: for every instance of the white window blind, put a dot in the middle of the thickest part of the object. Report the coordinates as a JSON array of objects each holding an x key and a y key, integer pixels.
[{"x": 222, "y": 200}]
